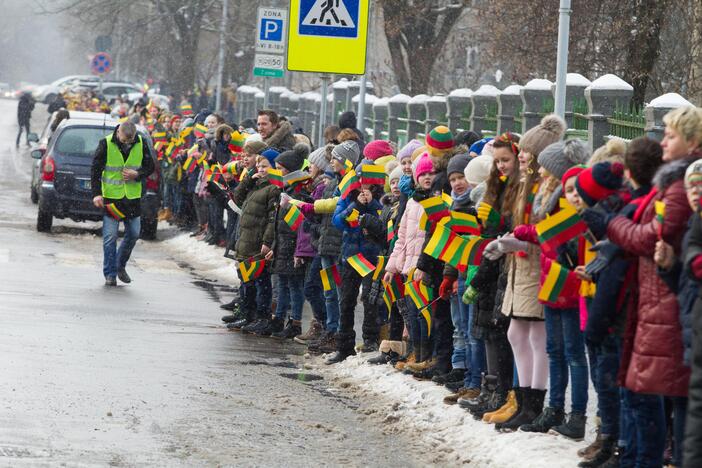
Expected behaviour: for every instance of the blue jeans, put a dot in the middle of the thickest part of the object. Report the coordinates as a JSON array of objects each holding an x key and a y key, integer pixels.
[
  {"x": 460, "y": 359},
  {"x": 604, "y": 363},
  {"x": 115, "y": 259},
  {"x": 566, "y": 351},
  {"x": 290, "y": 295},
  {"x": 475, "y": 348},
  {"x": 331, "y": 298},
  {"x": 679, "y": 416},
  {"x": 314, "y": 292},
  {"x": 643, "y": 430}
]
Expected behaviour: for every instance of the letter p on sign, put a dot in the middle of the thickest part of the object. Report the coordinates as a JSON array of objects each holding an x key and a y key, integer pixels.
[{"x": 271, "y": 29}]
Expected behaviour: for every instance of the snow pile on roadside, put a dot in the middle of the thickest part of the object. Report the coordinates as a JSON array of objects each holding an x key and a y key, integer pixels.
[
  {"x": 450, "y": 434},
  {"x": 208, "y": 260}
]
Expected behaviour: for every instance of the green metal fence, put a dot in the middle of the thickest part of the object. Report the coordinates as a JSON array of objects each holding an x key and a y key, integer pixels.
[{"x": 627, "y": 124}]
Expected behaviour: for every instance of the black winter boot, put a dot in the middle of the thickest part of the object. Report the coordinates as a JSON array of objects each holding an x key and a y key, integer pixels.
[
  {"x": 456, "y": 375},
  {"x": 486, "y": 392},
  {"x": 231, "y": 305},
  {"x": 383, "y": 358},
  {"x": 549, "y": 417},
  {"x": 603, "y": 455},
  {"x": 254, "y": 325},
  {"x": 531, "y": 406},
  {"x": 573, "y": 429},
  {"x": 339, "y": 356},
  {"x": 274, "y": 325},
  {"x": 291, "y": 330}
]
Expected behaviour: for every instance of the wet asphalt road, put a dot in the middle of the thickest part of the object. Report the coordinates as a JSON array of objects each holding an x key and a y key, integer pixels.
[{"x": 144, "y": 374}]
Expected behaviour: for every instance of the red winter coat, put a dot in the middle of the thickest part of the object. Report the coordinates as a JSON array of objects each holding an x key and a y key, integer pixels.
[{"x": 655, "y": 364}]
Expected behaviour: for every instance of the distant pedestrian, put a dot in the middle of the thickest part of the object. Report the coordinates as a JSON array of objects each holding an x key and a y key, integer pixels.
[
  {"x": 24, "y": 115},
  {"x": 122, "y": 161}
]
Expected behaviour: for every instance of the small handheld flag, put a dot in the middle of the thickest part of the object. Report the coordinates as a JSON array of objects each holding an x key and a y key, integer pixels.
[
  {"x": 294, "y": 218},
  {"x": 189, "y": 165},
  {"x": 349, "y": 183},
  {"x": 330, "y": 278},
  {"x": 558, "y": 280},
  {"x": 361, "y": 264},
  {"x": 199, "y": 130},
  {"x": 436, "y": 208},
  {"x": 464, "y": 223},
  {"x": 559, "y": 228},
  {"x": 352, "y": 218},
  {"x": 251, "y": 270},
  {"x": 379, "y": 267},
  {"x": 275, "y": 177},
  {"x": 372, "y": 174},
  {"x": 659, "y": 206},
  {"x": 113, "y": 211},
  {"x": 396, "y": 288}
]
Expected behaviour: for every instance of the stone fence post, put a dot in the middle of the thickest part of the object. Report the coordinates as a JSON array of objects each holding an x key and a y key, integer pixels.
[
  {"x": 436, "y": 112},
  {"x": 458, "y": 104},
  {"x": 656, "y": 109},
  {"x": 416, "y": 115},
  {"x": 397, "y": 109},
  {"x": 535, "y": 94},
  {"x": 482, "y": 100},
  {"x": 509, "y": 108},
  {"x": 604, "y": 96},
  {"x": 380, "y": 117}
]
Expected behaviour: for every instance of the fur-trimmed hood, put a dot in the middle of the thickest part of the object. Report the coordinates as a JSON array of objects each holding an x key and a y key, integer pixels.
[
  {"x": 673, "y": 171},
  {"x": 441, "y": 162},
  {"x": 283, "y": 131}
]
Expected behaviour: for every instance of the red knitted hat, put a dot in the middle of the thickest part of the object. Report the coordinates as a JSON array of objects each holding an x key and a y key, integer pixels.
[
  {"x": 377, "y": 149},
  {"x": 572, "y": 172},
  {"x": 599, "y": 181},
  {"x": 439, "y": 140}
]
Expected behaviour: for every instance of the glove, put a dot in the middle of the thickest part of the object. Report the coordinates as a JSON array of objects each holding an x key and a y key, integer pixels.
[
  {"x": 509, "y": 243},
  {"x": 521, "y": 232},
  {"x": 470, "y": 295},
  {"x": 597, "y": 221},
  {"x": 446, "y": 287},
  {"x": 492, "y": 251},
  {"x": 284, "y": 200},
  {"x": 696, "y": 266},
  {"x": 606, "y": 251}
]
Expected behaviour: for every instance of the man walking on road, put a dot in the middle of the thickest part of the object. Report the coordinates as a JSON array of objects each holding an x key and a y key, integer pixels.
[
  {"x": 25, "y": 106},
  {"x": 122, "y": 161}
]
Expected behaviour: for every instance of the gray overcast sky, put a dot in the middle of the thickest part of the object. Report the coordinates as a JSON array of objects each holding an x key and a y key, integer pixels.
[{"x": 34, "y": 48}]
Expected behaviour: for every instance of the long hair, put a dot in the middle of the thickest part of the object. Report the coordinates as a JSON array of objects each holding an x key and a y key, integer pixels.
[
  {"x": 526, "y": 185},
  {"x": 494, "y": 186}
]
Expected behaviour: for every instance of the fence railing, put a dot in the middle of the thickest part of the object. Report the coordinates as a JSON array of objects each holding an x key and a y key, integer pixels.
[{"x": 595, "y": 111}]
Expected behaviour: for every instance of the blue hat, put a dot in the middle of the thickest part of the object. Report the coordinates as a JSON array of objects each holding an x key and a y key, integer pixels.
[
  {"x": 477, "y": 147},
  {"x": 270, "y": 154}
]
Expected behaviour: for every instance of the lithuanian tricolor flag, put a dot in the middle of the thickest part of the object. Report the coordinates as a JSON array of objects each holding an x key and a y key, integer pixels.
[
  {"x": 372, "y": 174},
  {"x": 559, "y": 228},
  {"x": 659, "y": 207},
  {"x": 349, "y": 183},
  {"x": 189, "y": 165},
  {"x": 472, "y": 253},
  {"x": 396, "y": 288},
  {"x": 296, "y": 177},
  {"x": 391, "y": 231},
  {"x": 113, "y": 211},
  {"x": 464, "y": 223},
  {"x": 439, "y": 240},
  {"x": 199, "y": 130},
  {"x": 330, "y": 278},
  {"x": 250, "y": 270},
  {"x": 236, "y": 144},
  {"x": 352, "y": 218},
  {"x": 420, "y": 293},
  {"x": 556, "y": 281},
  {"x": 294, "y": 218},
  {"x": 348, "y": 165},
  {"x": 379, "y": 267},
  {"x": 488, "y": 215},
  {"x": 361, "y": 264},
  {"x": 275, "y": 177},
  {"x": 436, "y": 208}
]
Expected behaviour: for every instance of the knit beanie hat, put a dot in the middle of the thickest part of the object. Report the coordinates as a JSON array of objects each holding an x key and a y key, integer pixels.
[
  {"x": 599, "y": 181},
  {"x": 477, "y": 147},
  {"x": 346, "y": 150},
  {"x": 395, "y": 174},
  {"x": 424, "y": 165},
  {"x": 270, "y": 154},
  {"x": 457, "y": 163},
  {"x": 439, "y": 140},
  {"x": 467, "y": 138},
  {"x": 560, "y": 156},
  {"x": 390, "y": 166},
  {"x": 376, "y": 149},
  {"x": 693, "y": 174},
  {"x": 408, "y": 149},
  {"x": 478, "y": 169},
  {"x": 254, "y": 147},
  {"x": 420, "y": 150},
  {"x": 293, "y": 159},
  {"x": 550, "y": 130},
  {"x": 572, "y": 172},
  {"x": 318, "y": 157}
]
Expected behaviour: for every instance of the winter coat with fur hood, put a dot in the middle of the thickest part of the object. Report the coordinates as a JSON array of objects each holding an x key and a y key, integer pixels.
[
  {"x": 282, "y": 138},
  {"x": 654, "y": 364}
]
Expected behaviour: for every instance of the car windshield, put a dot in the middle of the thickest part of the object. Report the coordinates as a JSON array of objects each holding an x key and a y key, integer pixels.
[{"x": 81, "y": 140}]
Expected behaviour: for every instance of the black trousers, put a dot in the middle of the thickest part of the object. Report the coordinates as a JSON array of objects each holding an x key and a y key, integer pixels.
[
  {"x": 25, "y": 126},
  {"x": 442, "y": 333},
  {"x": 351, "y": 284},
  {"x": 500, "y": 360}
]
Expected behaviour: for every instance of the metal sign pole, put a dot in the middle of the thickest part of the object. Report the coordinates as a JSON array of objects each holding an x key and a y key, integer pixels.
[
  {"x": 265, "y": 92},
  {"x": 362, "y": 106},
  {"x": 220, "y": 65},
  {"x": 323, "y": 110}
]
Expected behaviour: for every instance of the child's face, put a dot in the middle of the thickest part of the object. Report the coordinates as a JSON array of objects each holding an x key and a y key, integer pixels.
[
  {"x": 693, "y": 189},
  {"x": 524, "y": 160},
  {"x": 314, "y": 171},
  {"x": 336, "y": 165},
  {"x": 406, "y": 164},
  {"x": 504, "y": 161},
  {"x": 282, "y": 169},
  {"x": 458, "y": 182},
  {"x": 543, "y": 172},
  {"x": 395, "y": 187},
  {"x": 425, "y": 180},
  {"x": 262, "y": 167},
  {"x": 228, "y": 177},
  {"x": 249, "y": 160},
  {"x": 572, "y": 195}
]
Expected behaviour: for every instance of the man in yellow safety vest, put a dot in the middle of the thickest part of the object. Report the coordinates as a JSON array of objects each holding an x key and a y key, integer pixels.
[{"x": 122, "y": 161}]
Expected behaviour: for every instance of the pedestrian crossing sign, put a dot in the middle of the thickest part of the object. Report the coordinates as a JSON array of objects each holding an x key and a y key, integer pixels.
[{"x": 328, "y": 36}]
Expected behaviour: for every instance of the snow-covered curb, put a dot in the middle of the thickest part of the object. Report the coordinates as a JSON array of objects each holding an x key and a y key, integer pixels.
[{"x": 449, "y": 434}]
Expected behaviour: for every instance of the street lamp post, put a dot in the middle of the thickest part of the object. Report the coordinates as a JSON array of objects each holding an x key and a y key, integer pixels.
[{"x": 562, "y": 58}]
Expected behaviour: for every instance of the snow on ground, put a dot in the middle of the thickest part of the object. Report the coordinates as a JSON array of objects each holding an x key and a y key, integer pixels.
[
  {"x": 402, "y": 404},
  {"x": 450, "y": 434}
]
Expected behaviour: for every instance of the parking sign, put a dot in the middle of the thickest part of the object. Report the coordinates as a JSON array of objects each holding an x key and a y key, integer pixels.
[{"x": 271, "y": 36}]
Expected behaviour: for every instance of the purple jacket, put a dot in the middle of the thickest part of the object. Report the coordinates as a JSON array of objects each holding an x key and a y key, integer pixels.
[{"x": 304, "y": 246}]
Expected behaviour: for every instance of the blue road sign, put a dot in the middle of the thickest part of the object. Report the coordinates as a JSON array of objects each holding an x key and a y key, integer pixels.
[
  {"x": 271, "y": 29},
  {"x": 331, "y": 18}
]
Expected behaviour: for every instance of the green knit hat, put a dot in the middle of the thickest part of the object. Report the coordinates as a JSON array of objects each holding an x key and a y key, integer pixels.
[{"x": 439, "y": 140}]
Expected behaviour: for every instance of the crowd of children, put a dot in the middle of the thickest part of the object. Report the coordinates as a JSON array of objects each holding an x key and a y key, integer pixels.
[{"x": 513, "y": 270}]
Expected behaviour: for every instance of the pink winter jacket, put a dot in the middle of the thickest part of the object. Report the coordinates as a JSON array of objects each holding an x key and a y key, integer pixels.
[{"x": 410, "y": 240}]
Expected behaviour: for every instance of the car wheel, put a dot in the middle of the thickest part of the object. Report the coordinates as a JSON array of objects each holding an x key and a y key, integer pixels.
[
  {"x": 49, "y": 98},
  {"x": 148, "y": 229},
  {"x": 44, "y": 221},
  {"x": 33, "y": 195}
]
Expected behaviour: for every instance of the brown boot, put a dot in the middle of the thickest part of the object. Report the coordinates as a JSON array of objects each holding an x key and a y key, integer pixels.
[
  {"x": 314, "y": 333},
  {"x": 461, "y": 393},
  {"x": 504, "y": 413},
  {"x": 401, "y": 364}
]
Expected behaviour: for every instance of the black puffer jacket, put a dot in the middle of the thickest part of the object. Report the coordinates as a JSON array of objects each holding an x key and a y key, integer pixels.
[
  {"x": 258, "y": 200},
  {"x": 329, "y": 243}
]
